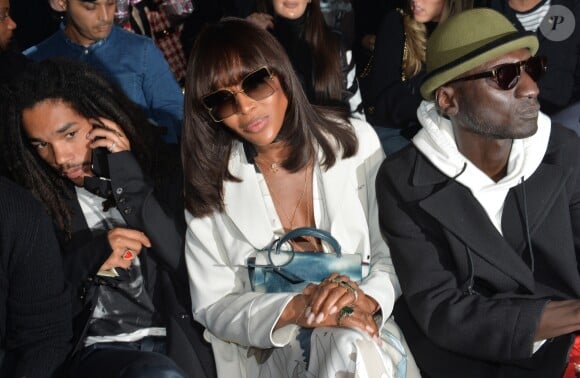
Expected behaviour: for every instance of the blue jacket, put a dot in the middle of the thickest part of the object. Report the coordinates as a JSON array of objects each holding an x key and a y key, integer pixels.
[{"x": 134, "y": 63}]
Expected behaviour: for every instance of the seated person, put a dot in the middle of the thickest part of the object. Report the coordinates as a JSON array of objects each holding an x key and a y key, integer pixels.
[
  {"x": 482, "y": 211},
  {"x": 260, "y": 161},
  {"x": 35, "y": 318},
  {"x": 114, "y": 191}
]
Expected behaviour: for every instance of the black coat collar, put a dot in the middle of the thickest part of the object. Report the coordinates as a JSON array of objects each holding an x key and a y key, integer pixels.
[{"x": 475, "y": 230}]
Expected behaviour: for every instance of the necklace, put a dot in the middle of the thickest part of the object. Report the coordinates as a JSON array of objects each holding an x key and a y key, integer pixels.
[
  {"x": 305, "y": 243},
  {"x": 273, "y": 166},
  {"x": 278, "y": 205}
]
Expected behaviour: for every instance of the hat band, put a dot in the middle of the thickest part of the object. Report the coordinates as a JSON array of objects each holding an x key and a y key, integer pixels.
[{"x": 479, "y": 51}]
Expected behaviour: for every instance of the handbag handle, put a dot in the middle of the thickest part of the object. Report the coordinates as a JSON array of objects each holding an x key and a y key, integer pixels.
[
  {"x": 312, "y": 232},
  {"x": 296, "y": 233}
]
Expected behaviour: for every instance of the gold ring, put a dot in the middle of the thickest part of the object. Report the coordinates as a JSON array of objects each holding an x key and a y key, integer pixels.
[
  {"x": 346, "y": 311},
  {"x": 347, "y": 286}
]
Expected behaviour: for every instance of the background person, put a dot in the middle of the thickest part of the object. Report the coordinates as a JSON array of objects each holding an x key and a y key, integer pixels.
[
  {"x": 399, "y": 66},
  {"x": 556, "y": 23},
  {"x": 323, "y": 63},
  {"x": 130, "y": 61},
  {"x": 11, "y": 60}
]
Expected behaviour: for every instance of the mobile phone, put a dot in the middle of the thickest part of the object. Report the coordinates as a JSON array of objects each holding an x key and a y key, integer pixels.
[{"x": 100, "y": 163}]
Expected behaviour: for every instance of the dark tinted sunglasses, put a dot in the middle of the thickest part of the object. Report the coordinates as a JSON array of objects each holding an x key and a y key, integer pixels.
[
  {"x": 222, "y": 103},
  {"x": 507, "y": 75}
]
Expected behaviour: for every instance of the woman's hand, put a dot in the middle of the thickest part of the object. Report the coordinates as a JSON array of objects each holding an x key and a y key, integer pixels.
[
  {"x": 108, "y": 134},
  {"x": 345, "y": 317},
  {"x": 335, "y": 302},
  {"x": 335, "y": 292},
  {"x": 329, "y": 304}
]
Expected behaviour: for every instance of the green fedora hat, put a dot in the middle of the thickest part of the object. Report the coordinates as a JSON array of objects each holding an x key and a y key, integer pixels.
[{"x": 466, "y": 40}]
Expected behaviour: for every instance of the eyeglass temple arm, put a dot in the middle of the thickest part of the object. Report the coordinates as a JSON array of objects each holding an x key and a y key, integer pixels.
[{"x": 480, "y": 75}]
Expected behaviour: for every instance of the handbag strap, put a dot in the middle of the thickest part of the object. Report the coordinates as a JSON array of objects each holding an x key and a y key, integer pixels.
[{"x": 312, "y": 232}]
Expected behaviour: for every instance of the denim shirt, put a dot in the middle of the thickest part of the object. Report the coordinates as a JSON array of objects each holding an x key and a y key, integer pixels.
[{"x": 135, "y": 64}]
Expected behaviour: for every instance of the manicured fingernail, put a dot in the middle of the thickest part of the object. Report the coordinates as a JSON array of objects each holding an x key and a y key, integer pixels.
[
  {"x": 308, "y": 311},
  {"x": 377, "y": 340},
  {"x": 310, "y": 319},
  {"x": 333, "y": 310},
  {"x": 320, "y": 317}
]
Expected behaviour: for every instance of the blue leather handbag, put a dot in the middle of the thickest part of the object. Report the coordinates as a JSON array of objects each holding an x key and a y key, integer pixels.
[{"x": 280, "y": 269}]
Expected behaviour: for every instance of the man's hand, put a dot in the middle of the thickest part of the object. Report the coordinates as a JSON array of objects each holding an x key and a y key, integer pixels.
[
  {"x": 109, "y": 135},
  {"x": 126, "y": 245},
  {"x": 262, "y": 20}
]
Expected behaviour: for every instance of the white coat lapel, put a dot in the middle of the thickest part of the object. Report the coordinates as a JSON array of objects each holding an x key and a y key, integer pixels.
[
  {"x": 347, "y": 218},
  {"x": 244, "y": 203}
]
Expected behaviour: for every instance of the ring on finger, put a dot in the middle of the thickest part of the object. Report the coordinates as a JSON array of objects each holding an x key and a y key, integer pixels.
[
  {"x": 128, "y": 254},
  {"x": 335, "y": 280},
  {"x": 346, "y": 311},
  {"x": 339, "y": 281},
  {"x": 112, "y": 146},
  {"x": 347, "y": 286}
]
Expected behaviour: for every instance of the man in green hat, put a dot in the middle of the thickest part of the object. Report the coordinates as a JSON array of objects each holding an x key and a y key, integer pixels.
[{"x": 482, "y": 211}]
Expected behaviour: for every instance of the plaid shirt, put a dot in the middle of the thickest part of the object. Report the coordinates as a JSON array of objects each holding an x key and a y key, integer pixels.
[{"x": 167, "y": 37}]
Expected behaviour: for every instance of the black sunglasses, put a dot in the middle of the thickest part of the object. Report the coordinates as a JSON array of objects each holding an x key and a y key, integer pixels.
[
  {"x": 507, "y": 75},
  {"x": 222, "y": 103}
]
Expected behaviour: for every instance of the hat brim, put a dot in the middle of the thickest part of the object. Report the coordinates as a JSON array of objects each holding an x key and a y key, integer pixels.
[{"x": 485, "y": 53}]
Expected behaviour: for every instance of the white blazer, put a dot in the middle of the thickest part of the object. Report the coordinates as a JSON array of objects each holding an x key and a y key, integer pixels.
[{"x": 218, "y": 246}]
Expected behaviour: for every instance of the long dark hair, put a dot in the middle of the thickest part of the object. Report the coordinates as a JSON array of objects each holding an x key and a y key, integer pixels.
[
  {"x": 222, "y": 55},
  {"x": 329, "y": 86},
  {"x": 91, "y": 96}
]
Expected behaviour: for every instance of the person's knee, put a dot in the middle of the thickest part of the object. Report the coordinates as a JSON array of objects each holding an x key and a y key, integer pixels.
[{"x": 153, "y": 365}]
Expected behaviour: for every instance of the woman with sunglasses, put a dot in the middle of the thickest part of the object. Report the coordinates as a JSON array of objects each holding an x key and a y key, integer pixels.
[
  {"x": 399, "y": 66},
  {"x": 259, "y": 161}
]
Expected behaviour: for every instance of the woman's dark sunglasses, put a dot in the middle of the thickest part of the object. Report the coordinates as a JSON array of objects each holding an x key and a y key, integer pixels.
[
  {"x": 507, "y": 75},
  {"x": 222, "y": 103}
]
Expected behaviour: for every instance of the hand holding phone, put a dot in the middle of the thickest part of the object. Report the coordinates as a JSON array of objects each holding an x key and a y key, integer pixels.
[{"x": 107, "y": 134}]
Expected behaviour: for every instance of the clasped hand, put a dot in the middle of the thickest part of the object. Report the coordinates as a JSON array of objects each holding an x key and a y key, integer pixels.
[
  {"x": 126, "y": 244},
  {"x": 338, "y": 302}
]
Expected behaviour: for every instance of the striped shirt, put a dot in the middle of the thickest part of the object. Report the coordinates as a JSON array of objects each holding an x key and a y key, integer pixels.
[{"x": 532, "y": 19}]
